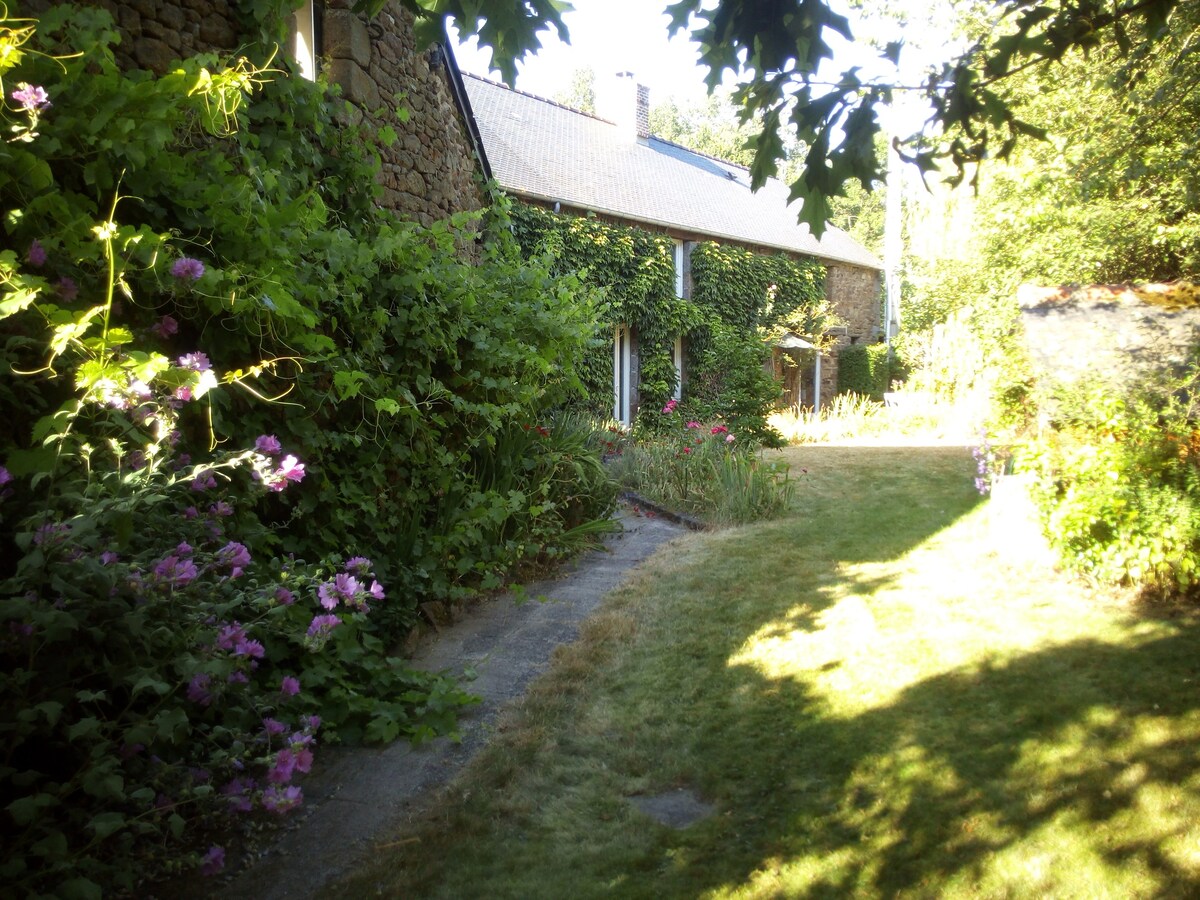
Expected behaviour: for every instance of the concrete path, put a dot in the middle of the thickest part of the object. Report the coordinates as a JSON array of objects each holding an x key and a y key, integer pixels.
[{"x": 359, "y": 794}]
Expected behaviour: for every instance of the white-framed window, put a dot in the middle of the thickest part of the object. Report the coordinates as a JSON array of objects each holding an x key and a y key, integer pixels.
[
  {"x": 677, "y": 355},
  {"x": 622, "y": 366},
  {"x": 304, "y": 39},
  {"x": 678, "y": 268}
]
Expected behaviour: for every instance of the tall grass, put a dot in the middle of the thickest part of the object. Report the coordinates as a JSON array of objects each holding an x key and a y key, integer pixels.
[
  {"x": 908, "y": 413},
  {"x": 704, "y": 475}
]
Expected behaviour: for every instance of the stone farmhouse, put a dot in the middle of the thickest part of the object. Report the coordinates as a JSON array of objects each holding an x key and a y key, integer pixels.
[
  {"x": 547, "y": 154},
  {"x": 463, "y": 131}
]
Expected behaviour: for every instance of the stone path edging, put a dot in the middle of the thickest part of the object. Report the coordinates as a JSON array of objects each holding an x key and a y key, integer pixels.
[{"x": 358, "y": 794}]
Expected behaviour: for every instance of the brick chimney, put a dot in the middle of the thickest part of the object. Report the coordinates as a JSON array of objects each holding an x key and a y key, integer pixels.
[{"x": 623, "y": 101}]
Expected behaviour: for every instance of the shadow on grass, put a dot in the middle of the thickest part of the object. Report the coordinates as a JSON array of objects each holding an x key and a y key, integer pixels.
[
  {"x": 929, "y": 788},
  {"x": 1066, "y": 769},
  {"x": 1092, "y": 745}
]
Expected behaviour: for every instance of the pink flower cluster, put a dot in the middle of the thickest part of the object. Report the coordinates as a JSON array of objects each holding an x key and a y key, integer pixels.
[
  {"x": 290, "y": 469},
  {"x": 348, "y": 590}
]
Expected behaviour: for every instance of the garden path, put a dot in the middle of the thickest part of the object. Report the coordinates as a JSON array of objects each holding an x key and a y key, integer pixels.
[{"x": 358, "y": 795}]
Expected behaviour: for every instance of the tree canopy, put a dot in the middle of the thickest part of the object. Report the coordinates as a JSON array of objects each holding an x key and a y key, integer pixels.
[{"x": 778, "y": 54}]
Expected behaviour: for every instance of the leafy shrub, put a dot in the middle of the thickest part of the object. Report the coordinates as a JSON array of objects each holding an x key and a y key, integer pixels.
[
  {"x": 155, "y": 676},
  {"x": 395, "y": 362},
  {"x": 866, "y": 369},
  {"x": 729, "y": 382},
  {"x": 1118, "y": 484},
  {"x": 166, "y": 653}
]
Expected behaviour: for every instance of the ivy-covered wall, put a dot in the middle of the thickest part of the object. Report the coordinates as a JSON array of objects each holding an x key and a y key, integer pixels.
[
  {"x": 750, "y": 290},
  {"x": 636, "y": 269},
  {"x": 734, "y": 300}
]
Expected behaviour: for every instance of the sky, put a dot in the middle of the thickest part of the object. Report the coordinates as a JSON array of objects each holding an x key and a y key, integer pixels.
[{"x": 611, "y": 36}]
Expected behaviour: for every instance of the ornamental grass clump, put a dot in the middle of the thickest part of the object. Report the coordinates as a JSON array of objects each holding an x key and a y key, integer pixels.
[{"x": 705, "y": 470}]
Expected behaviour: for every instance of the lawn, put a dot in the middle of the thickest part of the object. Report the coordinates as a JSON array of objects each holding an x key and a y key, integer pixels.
[{"x": 888, "y": 692}]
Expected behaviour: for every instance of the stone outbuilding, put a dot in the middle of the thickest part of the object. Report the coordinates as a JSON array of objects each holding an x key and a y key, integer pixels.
[{"x": 544, "y": 153}]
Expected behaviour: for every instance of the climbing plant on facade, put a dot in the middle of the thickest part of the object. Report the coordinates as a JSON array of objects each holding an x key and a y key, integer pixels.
[{"x": 739, "y": 300}]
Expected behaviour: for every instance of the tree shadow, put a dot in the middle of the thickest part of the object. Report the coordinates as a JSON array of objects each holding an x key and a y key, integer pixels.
[{"x": 927, "y": 788}]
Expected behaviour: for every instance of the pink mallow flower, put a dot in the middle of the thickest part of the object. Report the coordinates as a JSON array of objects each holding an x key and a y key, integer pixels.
[
  {"x": 321, "y": 626},
  {"x": 187, "y": 269},
  {"x": 359, "y": 565},
  {"x": 279, "y": 799},
  {"x": 693, "y": 425},
  {"x": 235, "y": 556},
  {"x": 165, "y": 327},
  {"x": 37, "y": 254},
  {"x": 31, "y": 97},
  {"x": 213, "y": 861},
  {"x": 290, "y": 469},
  {"x": 197, "y": 691},
  {"x": 343, "y": 587},
  {"x": 196, "y": 361},
  {"x": 173, "y": 571},
  {"x": 267, "y": 443},
  {"x": 290, "y": 686}
]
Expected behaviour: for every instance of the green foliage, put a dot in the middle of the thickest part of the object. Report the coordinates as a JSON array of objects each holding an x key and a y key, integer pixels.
[
  {"x": 729, "y": 381},
  {"x": 397, "y": 363},
  {"x": 866, "y": 369},
  {"x": 636, "y": 270},
  {"x": 1118, "y": 483},
  {"x": 580, "y": 94},
  {"x": 153, "y": 593},
  {"x": 751, "y": 290},
  {"x": 737, "y": 298},
  {"x": 705, "y": 470}
]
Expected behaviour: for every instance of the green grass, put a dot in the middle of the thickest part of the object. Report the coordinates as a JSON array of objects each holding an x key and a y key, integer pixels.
[{"x": 887, "y": 693}]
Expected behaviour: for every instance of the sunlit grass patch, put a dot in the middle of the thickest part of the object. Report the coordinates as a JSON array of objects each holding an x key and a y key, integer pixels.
[{"x": 889, "y": 692}]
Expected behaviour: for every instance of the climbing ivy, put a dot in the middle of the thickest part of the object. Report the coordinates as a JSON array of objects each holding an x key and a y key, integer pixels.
[
  {"x": 739, "y": 299},
  {"x": 751, "y": 290},
  {"x": 749, "y": 299},
  {"x": 636, "y": 270}
]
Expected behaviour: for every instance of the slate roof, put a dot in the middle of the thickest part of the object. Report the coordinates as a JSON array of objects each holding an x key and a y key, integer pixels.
[{"x": 544, "y": 151}]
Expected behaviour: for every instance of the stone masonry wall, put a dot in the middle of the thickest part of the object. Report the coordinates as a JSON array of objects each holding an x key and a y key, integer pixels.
[
  {"x": 430, "y": 172},
  {"x": 853, "y": 292}
]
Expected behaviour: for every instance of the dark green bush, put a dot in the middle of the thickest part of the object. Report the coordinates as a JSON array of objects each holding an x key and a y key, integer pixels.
[
  {"x": 193, "y": 265},
  {"x": 866, "y": 369}
]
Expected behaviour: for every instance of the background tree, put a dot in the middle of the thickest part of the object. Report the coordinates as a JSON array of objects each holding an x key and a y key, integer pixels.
[
  {"x": 778, "y": 53},
  {"x": 580, "y": 94}
]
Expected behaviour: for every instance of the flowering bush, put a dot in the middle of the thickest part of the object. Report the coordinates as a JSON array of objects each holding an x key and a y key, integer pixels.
[
  {"x": 167, "y": 656},
  {"x": 704, "y": 469},
  {"x": 1117, "y": 482},
  {"x": 155, "y": 678}
]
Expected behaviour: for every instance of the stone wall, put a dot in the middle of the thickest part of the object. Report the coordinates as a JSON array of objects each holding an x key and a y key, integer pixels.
[
  {"x": 430, "y": 172},
  {"x": 1110, "y": 335}
]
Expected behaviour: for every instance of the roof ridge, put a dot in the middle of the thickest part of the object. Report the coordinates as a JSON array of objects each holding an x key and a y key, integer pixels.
[
  {"x": 720, "y": 159},
  {"x": 501, "y": 84},
  {"x": 583, "y": 112}
]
